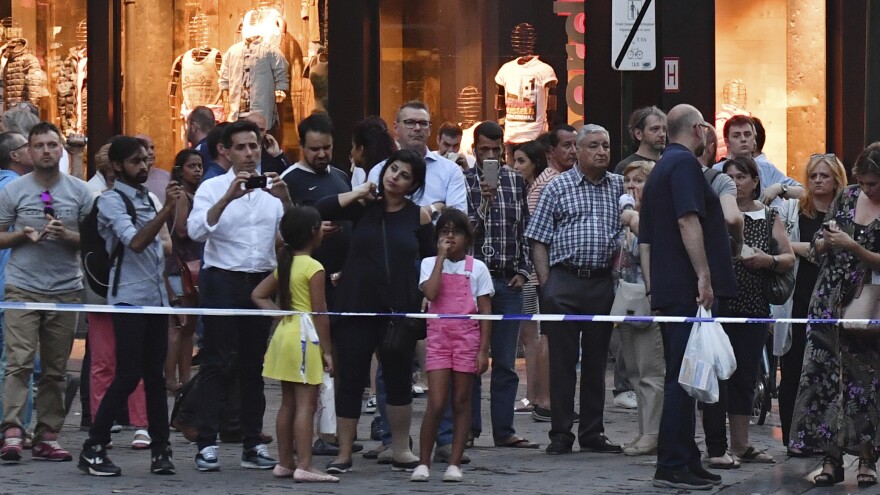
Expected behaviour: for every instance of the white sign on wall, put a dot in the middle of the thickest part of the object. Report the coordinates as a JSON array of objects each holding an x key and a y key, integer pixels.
[
  {"x": 670, "y": 74},
  {"x": 633, "y": 35}
]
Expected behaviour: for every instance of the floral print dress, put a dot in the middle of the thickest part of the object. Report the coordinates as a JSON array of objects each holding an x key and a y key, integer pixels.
[{"x": 837, "y": 403}]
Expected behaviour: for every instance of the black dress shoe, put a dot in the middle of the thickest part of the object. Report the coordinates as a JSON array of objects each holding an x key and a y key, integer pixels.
[
  {"x": 559, "y": 446},
  {"x": 602, "y": 445},
  {"x": 700, "y": 472}
]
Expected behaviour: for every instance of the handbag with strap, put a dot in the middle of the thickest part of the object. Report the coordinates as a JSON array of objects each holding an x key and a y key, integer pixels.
[
  {"x": 630, "y": 298},
  {"x": 865, "y": 305},
  {"x": 778, "y": 287},
  {"x": 402, "y": 332}
]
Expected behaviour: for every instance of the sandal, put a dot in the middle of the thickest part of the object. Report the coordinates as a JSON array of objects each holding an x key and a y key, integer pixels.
[
  {"x": 523, "y": 406},
  {"x": 755, "y": 456},
  {"x": 865, "y": 479},
  {"x": 723, "y": 462},
  {"x": 835, "y": 476},
  {"x": 141, "y": 440},
  {"x": 516, "y": 442}
]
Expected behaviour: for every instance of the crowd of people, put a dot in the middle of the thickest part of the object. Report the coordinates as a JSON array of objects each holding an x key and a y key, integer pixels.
[{"x": 548, "y": 226}]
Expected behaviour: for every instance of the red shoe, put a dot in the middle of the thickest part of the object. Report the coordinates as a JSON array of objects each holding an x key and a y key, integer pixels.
[
  {"x": 48, "y": 449},
  {"x": 12, "y": 445}
]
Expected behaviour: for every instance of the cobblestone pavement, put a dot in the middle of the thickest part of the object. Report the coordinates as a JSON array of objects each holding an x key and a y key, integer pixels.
[{"x": 494, "y": 470}]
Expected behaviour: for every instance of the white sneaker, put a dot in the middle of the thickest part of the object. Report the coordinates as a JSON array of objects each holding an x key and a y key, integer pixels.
[
  {"x": 453, "y": 474},
  {"x": 421, "y": 473},
  {"x": 626, "y": 400}
]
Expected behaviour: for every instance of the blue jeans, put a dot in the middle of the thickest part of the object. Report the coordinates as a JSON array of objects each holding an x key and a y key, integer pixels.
[
  {"x": 677, "y": 450},
  {"x": 504, "y": 381}
]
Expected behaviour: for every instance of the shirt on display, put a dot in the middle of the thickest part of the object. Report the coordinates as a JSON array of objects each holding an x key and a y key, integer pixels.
[{"x": 525, "y": 97}]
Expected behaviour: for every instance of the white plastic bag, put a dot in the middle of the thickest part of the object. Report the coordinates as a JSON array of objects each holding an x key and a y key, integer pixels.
[{"x": 708, "y": 358}]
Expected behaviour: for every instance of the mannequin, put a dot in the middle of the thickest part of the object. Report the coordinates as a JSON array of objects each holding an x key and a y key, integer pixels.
[
  {"x": 197, "y": 72},
  {"x": 23, "y": 78},
  {"x": 468, "y": 104},
  {"x": 735, "y": 99},
  {"x": 317, "y": 67},
  {"x": 254, "y": 77},
  {"x": 70, "y": 86},
  {"x": 264, "y": 21},
  {"x": 526, "y": 89}
]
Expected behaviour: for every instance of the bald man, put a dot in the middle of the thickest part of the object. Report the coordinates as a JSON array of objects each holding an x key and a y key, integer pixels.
[
  {"x": 272, "y": 159},
  {"x": 158, "y": 179},
  {"x": 682, "y": 224}
]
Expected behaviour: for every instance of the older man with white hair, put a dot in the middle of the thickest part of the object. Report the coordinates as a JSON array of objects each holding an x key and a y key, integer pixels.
[{"x": 572, "y": 234}]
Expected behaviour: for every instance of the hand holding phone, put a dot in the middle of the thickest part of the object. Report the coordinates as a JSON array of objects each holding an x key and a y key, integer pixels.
[
  {"x": 257, "y": 182},
  {"x": 491, "y": 170}
]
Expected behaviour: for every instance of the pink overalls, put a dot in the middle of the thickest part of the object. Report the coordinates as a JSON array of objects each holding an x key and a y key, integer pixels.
[{"x": 454, "y": 343}]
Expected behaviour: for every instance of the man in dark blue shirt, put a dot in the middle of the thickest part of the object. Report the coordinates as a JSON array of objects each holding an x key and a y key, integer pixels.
[
  {"x": 683, "y": 225},
  {"x": 198, "y": 124}
]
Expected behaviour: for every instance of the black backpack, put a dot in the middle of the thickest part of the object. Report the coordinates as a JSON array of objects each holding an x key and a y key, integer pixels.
[{"x": 93, "y": 250}]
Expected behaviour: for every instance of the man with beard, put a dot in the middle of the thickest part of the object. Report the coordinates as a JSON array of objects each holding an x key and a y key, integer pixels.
[
  {"x": 141, "y": 339},
  {"x": 44, "y": 208},
  {"x": 647, "y": 127}
]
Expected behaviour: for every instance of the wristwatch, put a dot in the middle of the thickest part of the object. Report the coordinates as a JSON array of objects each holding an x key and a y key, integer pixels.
[{"x": 784, "y": 191}]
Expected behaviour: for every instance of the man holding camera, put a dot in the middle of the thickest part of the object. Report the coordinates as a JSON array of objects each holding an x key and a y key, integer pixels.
[
  {"x": 498, "y": 210},
  {"x": 237, "y": 216}
]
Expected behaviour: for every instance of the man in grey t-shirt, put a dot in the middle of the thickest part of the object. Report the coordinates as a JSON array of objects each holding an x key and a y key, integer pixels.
[{"x": 44, "y": 208}]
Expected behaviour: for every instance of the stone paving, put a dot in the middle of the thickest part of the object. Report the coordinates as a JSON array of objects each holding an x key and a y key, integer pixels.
[{"x": 493, "y": 470}]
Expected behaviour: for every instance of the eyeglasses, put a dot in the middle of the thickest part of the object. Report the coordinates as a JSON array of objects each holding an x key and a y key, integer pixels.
[
  {"x": 453, "y": 231},
  {"x": 23, "y": 145},
  {"x": 411, "y": 124},
  {"x": 704, "y": 125},
  {"x": 827, "y": 156},
  {"x": 46, "y": 198}
]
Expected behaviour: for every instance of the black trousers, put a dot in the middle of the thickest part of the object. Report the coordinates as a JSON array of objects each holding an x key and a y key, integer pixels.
[
  {"x": 790, "y": 366},
  {"x": 568, "y": 341},
  {"x": 141, "y": 345},
  {"x": 230, "y": 340}
]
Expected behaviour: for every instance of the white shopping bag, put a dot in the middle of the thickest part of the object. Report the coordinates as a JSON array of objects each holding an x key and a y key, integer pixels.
[{"x": 708, "y": 357}]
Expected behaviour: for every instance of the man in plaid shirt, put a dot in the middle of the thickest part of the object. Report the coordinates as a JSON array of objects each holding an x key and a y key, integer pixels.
[
  {"x": 499, "y": 216},
  {"x": 572, "y": 236}
]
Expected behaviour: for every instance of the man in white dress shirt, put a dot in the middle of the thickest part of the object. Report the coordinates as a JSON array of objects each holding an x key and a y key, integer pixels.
[{"x": 239, "y": 227}]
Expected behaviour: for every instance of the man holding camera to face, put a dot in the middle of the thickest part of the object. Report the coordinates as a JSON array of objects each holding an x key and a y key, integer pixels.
[{"x": 237, "y": 216}]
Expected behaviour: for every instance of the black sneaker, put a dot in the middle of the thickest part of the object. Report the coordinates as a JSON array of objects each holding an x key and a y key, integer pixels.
[
  {"x": 559, "y": 446},
  {"x": 161, "y": 463},
  {"x": 685, "y": 480},
  {"x": 93, "y": 460},
  {"x": 257, "y": 458},
  {"x": 709, "y": 476}
]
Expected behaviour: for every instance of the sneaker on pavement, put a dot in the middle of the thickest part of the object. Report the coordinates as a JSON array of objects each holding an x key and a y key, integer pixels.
[
  {"x": 257, "y": 458},
  {"x": 93, "y": 460},
  {"x": 206, "y": 459},
  {"x": 161, "y": 463},
  {"x": 13, "y": 443},
  {"x": 420, "y": 473},
  {"x": 626, "y": 400},
  {"x": 541, "y": 414},
  {"x": 370, "y": 408},
  {"x": 453, "y": 474},
  {"x": 50, "y": 450},
  {"x": 322, "y": 447},
  {"x": 442, "y": 453},
  {"x": 684, "y": 480}
]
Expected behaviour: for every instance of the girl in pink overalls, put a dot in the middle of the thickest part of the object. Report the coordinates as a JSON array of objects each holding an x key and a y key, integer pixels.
[{"x": 457, "y": 350}]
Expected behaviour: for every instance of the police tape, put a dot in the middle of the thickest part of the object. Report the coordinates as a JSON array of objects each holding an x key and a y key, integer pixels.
[{"x": 165, "y": 310}]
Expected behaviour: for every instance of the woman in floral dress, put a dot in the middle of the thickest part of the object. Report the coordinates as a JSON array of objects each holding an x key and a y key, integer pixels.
[{"x": 838, "y": 406}]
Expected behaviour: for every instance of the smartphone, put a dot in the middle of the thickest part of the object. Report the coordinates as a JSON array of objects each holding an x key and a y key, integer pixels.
[
  {"x": 826, "y": 226},
  {"x": 256, "y": 182},
  {"x": 491, "y": 169}
]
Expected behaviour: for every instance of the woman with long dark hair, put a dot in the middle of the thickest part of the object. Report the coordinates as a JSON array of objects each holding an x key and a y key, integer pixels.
[{"x": 370, "y": 144}]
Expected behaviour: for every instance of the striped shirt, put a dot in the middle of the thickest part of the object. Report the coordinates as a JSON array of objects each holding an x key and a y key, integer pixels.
[
  {"x": 499, "y": 227},
  {"x": 578, "y": 219}
]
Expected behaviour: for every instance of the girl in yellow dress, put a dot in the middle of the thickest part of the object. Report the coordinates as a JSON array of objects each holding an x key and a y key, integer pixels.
[{"x": 299, "y": 353}]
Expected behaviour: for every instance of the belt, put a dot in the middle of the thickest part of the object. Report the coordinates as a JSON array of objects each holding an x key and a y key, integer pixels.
[
  {"x": 248, "y": 276},
  {"x": 584, "y": 272}
]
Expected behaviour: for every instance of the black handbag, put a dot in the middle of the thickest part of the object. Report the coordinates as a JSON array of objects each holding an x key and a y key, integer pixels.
[
  {"x": 402, "y": 332},
  {"x": 778, "y": 287}
]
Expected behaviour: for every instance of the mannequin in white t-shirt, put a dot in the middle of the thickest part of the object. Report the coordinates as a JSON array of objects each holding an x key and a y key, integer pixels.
[{"x": 526, "y": 90}]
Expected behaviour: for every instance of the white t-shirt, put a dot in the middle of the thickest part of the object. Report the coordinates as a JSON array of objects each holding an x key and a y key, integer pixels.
[
  {"x": 525, "y": 96},
  {"x": 481, "y": 280}
]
